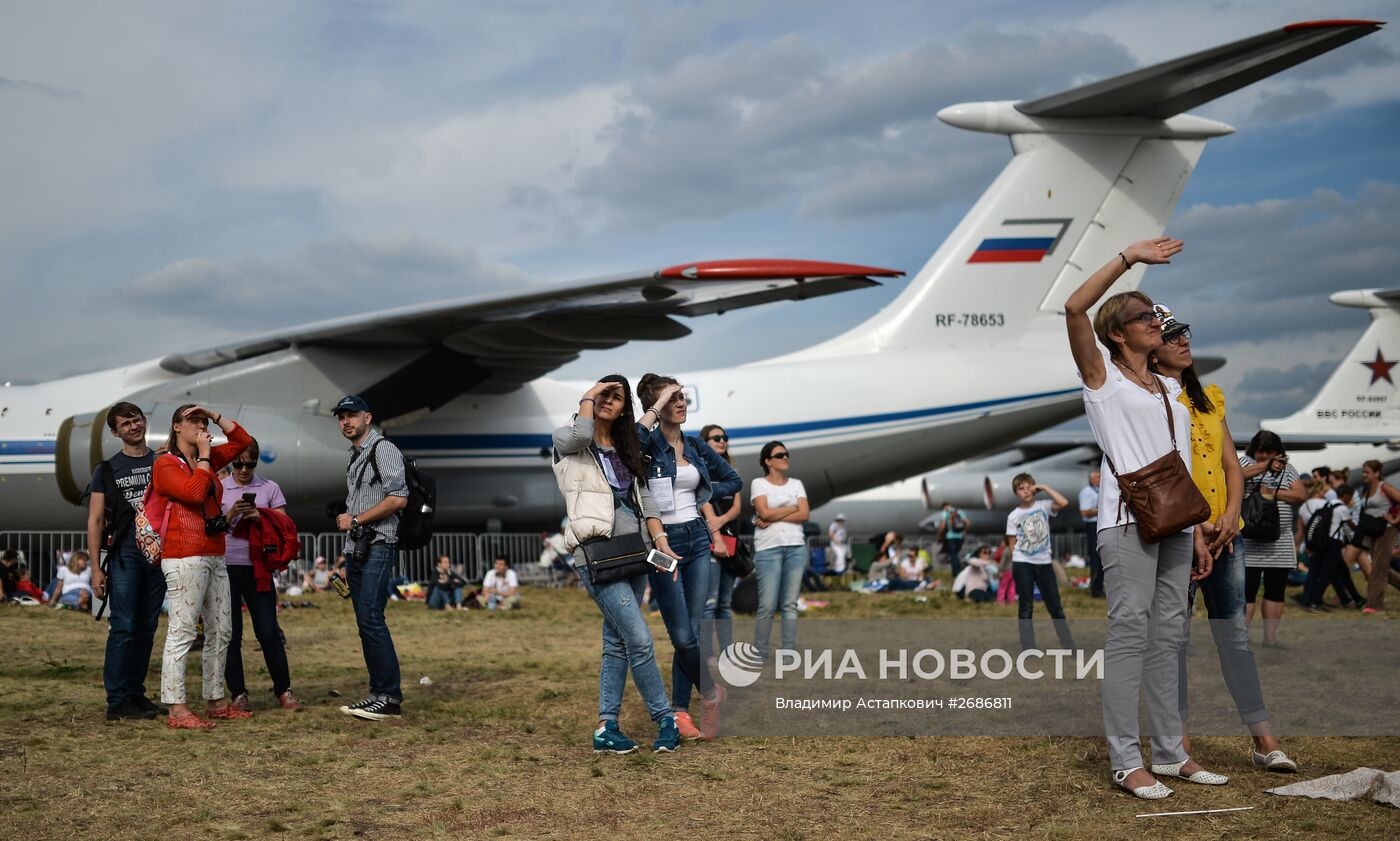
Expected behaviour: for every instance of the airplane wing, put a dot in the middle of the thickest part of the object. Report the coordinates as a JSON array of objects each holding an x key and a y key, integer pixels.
[
  {"x": 1172, "y": 87},
  {"x": 496, "y": 343}
]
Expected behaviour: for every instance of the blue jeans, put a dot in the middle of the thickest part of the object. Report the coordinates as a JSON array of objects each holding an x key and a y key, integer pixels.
[
  {"x": 369, "y": 592},
  {"x": 135, "y": 590},
  {"x": 683, "y": 605},
  {"x": 722, "y": 595},
  {"x": 441, "y": 597},
  {"x": 953, "y": 546},
  {"x": 1222, "y": 593},
  {"x": 779, "y": 577},
  {"x": 626, "y": 644}
]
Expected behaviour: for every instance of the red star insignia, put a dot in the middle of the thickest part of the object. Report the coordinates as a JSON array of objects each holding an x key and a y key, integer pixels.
[{"x": 1380, "y": 369}]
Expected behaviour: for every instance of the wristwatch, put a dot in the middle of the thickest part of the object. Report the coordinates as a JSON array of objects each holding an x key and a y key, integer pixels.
[{"x": 354, "y": 522}]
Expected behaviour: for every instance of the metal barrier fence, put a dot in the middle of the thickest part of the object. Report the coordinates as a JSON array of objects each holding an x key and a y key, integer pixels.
[{"x": 475, "y": 552}]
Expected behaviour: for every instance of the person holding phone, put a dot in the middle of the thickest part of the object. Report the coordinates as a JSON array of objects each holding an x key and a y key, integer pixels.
[
  {"x": 598, "y": 465},
  {"x": 250, "y": 583},
  {"x": 684, "y": 475},
  {"x": 1267, "y": 472}
]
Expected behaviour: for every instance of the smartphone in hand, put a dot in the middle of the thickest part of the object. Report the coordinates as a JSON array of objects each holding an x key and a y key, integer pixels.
[{"x": 661, "y": 561}]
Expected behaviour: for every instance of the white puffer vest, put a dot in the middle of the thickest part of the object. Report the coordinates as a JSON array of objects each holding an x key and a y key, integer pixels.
[{"x": 588, "y": 498}]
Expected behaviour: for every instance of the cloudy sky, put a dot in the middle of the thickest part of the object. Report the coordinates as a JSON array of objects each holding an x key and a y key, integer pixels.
[{"x": 205, "y": 170}]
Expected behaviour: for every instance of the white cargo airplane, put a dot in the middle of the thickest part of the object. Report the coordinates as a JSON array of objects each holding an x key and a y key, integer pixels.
[{"x": 970, "y": 357}]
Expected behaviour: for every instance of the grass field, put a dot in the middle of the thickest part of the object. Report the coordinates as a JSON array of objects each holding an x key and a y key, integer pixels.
[{"x": 498, "y": 745}]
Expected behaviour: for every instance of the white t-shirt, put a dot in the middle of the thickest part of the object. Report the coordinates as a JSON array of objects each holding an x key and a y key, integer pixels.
[
  {"x": 1340, "y": 515},
  {"x": 781, "y": 533},
  {"x": 1130, "y": 424},
  {"x": 1031, "y": 528},
  {"x": 500, "y": 585},
  {"x": 74, "y": 582},
  {"x": 912, "y": 569},
  {"x": 683, "y": 487},
  {"x": 1089, "y": 499}
]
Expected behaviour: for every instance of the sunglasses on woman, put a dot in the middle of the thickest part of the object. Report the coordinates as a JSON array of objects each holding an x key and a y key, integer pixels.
[
  {"x": 723, "y": 439},
  {"x": 1143, "y": 318},
  {"x": 1184, "y": 334},
  {"x": 778, "y": 455}
]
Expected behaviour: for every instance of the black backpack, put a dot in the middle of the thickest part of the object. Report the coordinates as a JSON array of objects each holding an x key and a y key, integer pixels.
[
  {"x": 1261, "y": 514},
  {"x": 1317, "y": 534},
  {"x": 416, "y": 518}
]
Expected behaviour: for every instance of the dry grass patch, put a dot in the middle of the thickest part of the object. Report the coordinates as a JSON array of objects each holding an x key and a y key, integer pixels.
[{"x": 497, "y": 746}]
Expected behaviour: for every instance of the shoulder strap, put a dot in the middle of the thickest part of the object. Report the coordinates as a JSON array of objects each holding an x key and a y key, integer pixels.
[
  {"x": 1171, "y": 422},
  {"x": 371, "y": 462}
]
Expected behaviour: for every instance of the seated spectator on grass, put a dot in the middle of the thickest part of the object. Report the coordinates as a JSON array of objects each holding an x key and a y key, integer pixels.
[
  {"x": 910, "y": 573},
  {"x": 445, "y": 586},
  {"x": 501, "y": 588},
  {"x": 9, "y": 574},
  {"x": 319, "y": 577},
  {"x": 75, "y": 583},
  {"x": 26, "y": 587},
  {"x": 976, "y": 578}
]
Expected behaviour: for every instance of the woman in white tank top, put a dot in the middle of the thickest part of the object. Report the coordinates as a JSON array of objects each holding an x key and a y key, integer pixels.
[{"x": 1145, "y": 583}]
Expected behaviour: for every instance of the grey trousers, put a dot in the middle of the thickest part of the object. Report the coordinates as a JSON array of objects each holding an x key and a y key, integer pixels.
[{"x": 1146, "y": 587}]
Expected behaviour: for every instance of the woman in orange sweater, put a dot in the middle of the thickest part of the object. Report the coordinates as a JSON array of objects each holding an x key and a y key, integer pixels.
[{"x": 192, "y": 559}]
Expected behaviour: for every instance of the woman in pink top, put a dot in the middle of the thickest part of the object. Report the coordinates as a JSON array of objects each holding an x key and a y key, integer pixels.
[{"x": 251, "y": 584}]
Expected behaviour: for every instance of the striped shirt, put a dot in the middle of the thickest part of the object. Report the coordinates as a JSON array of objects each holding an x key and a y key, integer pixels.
[
  {"x": 1277, "y": 554},
  {"x": 361, "y": 496}
]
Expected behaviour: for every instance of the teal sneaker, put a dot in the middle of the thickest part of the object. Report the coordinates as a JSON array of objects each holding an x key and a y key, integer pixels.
[
  {"x": 609, "y": 739},
  {"x": 668, "y": 736}
]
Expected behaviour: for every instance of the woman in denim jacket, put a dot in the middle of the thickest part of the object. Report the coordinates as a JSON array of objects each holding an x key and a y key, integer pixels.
[{"x": 683, "y": 475}]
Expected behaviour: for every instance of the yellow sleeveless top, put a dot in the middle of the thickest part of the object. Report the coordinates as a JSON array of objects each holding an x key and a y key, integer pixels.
[{"x": 1207, "y": 441}]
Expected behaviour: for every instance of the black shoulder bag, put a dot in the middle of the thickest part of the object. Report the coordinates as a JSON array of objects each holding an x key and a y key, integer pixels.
[
  {"x": 612, "y": 559},
  {"x": 1260, "y": 513}
]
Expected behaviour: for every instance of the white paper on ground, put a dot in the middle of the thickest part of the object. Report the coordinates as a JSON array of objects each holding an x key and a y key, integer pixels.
[{"x": 1361, "y": 784}]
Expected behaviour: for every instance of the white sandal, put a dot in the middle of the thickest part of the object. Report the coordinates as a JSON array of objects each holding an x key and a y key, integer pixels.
[
  {"x": 1156, "y": 791},
  {"x": 1205, "y": 778},
  {"x": 1277, "y": 761}
]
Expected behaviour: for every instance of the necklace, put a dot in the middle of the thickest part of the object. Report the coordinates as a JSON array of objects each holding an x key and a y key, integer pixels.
[{"x": 1150, "y": 386}]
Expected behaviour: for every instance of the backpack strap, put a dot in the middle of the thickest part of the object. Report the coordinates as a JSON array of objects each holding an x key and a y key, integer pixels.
[{"x": 371, "y": 462}]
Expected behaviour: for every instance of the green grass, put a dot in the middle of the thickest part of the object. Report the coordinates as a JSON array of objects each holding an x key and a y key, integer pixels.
[{"x": 498, "y": 746}]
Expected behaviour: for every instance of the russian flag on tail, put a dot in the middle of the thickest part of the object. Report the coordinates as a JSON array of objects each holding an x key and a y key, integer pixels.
[{"x": 1022, "y": 249}]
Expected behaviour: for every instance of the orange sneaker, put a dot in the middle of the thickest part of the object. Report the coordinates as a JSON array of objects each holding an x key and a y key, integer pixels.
[
  {"x": 709, "y": 714},
  {"x": 289, "y": 701},
  {"x": 687, "y": 727},
  {"x": 228, "y": 712},
  {"x": 188, "y": 721}
]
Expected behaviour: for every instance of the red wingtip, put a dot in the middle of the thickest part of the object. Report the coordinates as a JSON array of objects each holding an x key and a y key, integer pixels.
[
  {"x": 1323, "y": 24},
  {"x": 770, "y": 270}
]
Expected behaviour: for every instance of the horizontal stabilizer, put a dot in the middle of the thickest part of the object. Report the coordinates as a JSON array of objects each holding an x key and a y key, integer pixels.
[{"x": 1172, "y": 87}]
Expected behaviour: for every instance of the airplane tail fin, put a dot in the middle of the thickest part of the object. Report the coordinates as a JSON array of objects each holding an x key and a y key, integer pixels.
[
  {"x": 1360, "y": 402},
  {"x": 1093, "y": 168}
]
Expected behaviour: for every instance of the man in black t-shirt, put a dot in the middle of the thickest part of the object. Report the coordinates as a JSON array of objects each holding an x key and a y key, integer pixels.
[{"x": 133, "y": 587}]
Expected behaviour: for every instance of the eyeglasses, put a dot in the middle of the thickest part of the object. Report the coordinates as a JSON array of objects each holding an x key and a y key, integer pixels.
[
  {"x": 724, "y": 439},
  {"x": 778, "y": 455},
  {"x": 1143, "y": 318},
  {"x": 243, "y": 465},
  {"x": 1184, "y": 334}
]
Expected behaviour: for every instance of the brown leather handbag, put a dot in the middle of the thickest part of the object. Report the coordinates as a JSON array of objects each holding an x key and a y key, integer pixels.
[{"x": 1163, "y": 498}]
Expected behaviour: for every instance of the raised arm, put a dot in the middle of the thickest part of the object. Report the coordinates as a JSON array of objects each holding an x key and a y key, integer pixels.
[
  {"x": 1057, "y": 499},
  {"x": 1082, "y": 342}
]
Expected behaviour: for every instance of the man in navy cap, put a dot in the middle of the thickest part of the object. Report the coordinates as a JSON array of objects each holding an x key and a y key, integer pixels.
[{"x": 376, "y": 491}]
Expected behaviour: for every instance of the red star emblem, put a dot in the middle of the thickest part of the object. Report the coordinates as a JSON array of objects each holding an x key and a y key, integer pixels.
[{"x": 1380, "y": 369}]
